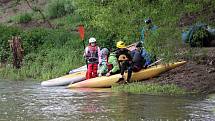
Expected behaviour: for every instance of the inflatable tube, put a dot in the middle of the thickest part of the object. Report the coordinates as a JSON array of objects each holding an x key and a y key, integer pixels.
[
  {"x": 82, "y": 68},
  {"x": 65, "y": 80}
]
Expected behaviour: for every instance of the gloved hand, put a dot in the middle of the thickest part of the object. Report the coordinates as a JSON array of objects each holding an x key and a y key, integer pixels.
[
  {"x": 100, "y": 64},
  {"x": 122, "y": 76},
  {"x": 130, "y": 62},
  {"x": 108, "y": 74}
]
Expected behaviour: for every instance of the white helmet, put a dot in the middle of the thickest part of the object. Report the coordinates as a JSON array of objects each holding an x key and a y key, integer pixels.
[{"x": 92, "y": 39}]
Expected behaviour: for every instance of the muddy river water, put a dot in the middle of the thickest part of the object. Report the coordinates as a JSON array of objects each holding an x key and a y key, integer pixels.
[{"x": 28, "y": 101}]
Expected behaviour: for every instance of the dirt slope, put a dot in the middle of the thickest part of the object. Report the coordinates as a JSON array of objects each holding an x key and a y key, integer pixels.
[{"x": 197, "y": 75}]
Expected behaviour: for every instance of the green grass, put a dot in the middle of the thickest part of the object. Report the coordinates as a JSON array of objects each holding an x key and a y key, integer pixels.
[
  {"x": 45, "y": 66},
  {"x": 13, "y": 19},
  {"x": 156, "y": 89},
  {"x": 25, "y": 17},
  {"x": 59, "y": 8},
  {"x": 67, "y": 22},
  {"x": 21, "y": 18}
]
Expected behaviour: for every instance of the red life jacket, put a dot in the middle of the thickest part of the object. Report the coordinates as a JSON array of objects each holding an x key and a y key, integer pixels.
[
  {"x": 109, "y": 66},
  {"x": 92, "y": 54}
]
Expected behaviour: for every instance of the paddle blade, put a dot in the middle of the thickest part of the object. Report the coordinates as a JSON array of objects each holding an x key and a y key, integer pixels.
[{"x": 81, "y": 31}]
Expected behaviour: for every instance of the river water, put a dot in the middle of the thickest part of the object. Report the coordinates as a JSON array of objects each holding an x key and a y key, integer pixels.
[{"x": 28, "y": 101}]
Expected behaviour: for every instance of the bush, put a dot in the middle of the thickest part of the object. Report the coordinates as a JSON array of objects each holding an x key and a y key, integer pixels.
[
  {"x": 25, "y": 18},
  {"x": 200, "y": 38},
  {"x": 6, "y": 33},
  {"x": 197, "y": 35},
  {"x": 33, "y": 38},
  {"x": 59, "y": 8}
]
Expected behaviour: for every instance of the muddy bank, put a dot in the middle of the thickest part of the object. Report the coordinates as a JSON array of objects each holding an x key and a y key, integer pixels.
[{"x": 197, "y": 75}]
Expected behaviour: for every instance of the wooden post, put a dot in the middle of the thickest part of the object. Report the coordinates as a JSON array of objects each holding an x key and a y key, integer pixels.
[{"x": 17, "y": 50}]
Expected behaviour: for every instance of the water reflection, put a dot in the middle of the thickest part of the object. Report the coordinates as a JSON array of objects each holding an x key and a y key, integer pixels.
[{"x": 30, "y": 101}]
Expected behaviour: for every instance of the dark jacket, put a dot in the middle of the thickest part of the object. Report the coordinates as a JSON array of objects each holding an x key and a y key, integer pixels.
[
  {"x": 138, "y": 60},
  {"x": 141, "y": 58}
]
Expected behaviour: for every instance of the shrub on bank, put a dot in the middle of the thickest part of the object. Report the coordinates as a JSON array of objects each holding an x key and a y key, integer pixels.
[
  {"x": 25, "y": 18},
  {"x": 33, "y": 38},
  {"x": 59, "y": 8}
]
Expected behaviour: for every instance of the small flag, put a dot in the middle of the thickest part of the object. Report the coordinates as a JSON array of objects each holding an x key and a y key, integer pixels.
[{"x": 81, "y": 31}]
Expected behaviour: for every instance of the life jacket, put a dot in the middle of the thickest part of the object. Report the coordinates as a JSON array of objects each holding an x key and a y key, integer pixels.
[
  {"x": 109, "y": 66},
  {"x": 92, "y": 54}
]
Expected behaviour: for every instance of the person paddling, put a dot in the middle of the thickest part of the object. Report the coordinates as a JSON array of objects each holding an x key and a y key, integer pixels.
[{"x": 92, "y": 53}]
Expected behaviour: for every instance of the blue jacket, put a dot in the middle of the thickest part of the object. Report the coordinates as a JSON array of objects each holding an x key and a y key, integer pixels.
[{"x": 146, "y": 56}]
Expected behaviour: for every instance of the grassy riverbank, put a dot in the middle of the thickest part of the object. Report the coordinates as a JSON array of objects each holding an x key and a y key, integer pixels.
[
  {"x": 169, "y": 89},
  {"x": 48, "y": 53}
]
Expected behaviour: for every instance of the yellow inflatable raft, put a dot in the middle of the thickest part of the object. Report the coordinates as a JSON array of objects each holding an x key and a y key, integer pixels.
[{"x": 100, "y": 82}]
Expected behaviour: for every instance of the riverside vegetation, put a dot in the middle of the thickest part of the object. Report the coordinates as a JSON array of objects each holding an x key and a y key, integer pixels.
[{"x": 51, "y": 52}]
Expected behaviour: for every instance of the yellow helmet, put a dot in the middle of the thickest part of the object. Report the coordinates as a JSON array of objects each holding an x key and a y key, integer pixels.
[{"x": 120, "y": 44}]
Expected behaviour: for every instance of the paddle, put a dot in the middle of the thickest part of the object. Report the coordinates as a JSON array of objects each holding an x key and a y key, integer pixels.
[
  {"x": 81, "y": 32},
  {"x": 152, "y": 64}
]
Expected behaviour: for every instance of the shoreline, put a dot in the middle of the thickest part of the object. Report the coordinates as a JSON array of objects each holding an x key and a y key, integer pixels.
[{"x": 197, "y": 75}]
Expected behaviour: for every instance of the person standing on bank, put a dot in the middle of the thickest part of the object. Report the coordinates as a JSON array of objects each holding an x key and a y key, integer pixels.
[
  {"x": 92, "y": 54},
  {"x": 145, "y": 31}
]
